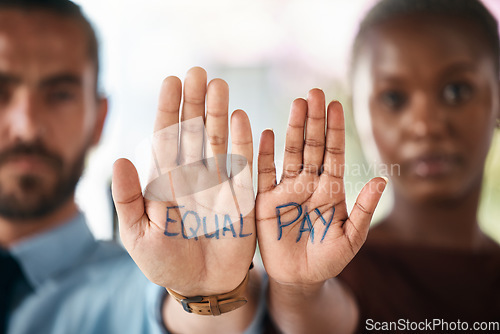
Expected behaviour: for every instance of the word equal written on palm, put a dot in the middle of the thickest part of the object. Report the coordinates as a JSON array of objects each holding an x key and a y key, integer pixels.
[{"x": 194, "y": 229}]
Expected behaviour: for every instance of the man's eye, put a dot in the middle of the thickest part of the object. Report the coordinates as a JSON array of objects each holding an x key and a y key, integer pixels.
[
  {"x": 4, "y": 95},
  {"x": 61, "y": 96},
  {"x": 393, "y": 99},
  {"x": 456, "y": 93}
]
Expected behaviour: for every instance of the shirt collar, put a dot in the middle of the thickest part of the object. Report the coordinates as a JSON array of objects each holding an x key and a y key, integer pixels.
[{"x": 50, "y": 253}]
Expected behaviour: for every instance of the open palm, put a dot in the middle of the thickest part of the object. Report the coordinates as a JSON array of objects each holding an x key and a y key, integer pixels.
[
  {"x": 184, "y": 233},
  {"x": 305, "y": 232}
]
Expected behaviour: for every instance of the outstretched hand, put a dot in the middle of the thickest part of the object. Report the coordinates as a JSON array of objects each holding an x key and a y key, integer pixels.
[
  {"x": 178, "y": 232},
  {"x": 306, "y": 235}
]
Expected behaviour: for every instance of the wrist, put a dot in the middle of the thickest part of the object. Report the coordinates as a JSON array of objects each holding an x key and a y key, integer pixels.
[
  {"x": 214, "y": 304},
  {"x": 321, "y": 307},
  {"x": 296, "y": 289}
]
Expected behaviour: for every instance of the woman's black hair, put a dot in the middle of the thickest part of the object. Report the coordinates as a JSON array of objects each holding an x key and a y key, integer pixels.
[{"x": 472, "y": 10}]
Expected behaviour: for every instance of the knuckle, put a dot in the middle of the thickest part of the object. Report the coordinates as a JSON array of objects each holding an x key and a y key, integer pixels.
[
  {"x": 216, "y": 140},
  {"x": 314, "y": 143},
  {"x": 335, "y": 150},
  {"x": 293, "y": 149}
]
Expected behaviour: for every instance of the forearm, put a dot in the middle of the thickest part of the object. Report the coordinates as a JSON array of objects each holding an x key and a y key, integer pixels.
[
  {"x": 321, "y": 308},
  {"x": 177, "y": 320}
]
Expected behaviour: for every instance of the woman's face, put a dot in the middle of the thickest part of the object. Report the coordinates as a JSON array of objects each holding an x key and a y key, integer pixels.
[{"x": 432, "y": 95}]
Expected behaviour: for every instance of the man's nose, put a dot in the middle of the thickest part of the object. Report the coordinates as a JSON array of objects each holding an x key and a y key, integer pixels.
[{"x": 25, "y": 121}]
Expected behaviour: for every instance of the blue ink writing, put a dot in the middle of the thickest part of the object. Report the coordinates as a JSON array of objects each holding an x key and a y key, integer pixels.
[
  {"x": 194, "y": 233},
  {"x": 327, "y": 224},
  {"x": 192, "y": 223},
  {"x": 309, "y": 228},
  {"x": 241, "y": 228},
  {"x": 216, "y": 233},
  {"x": 284, "y": 224},
  {"x": 306, "y": 225},
  {"x": 227, "y": 219},
  {"x": 170, "y": 220}
]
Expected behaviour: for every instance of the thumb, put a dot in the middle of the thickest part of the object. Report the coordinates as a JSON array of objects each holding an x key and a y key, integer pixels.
[
  {"x": 127, "y": 195},
  {"x": 357, "y": 225}
]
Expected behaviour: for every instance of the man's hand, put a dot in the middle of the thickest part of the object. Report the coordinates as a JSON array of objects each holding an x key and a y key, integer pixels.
[
  {"x": 306, "y": 236},
  {"x": 178, "y": 233}
]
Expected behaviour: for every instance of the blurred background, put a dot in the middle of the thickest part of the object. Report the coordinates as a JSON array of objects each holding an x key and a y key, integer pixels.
[{"x": 269, "y": 52}]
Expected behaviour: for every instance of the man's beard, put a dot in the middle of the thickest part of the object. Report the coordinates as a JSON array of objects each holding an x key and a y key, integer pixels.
[{"x": 44, "y": 200}]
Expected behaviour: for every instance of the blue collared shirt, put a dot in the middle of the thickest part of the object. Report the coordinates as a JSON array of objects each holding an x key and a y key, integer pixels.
[{"x": 77, "y": 285}]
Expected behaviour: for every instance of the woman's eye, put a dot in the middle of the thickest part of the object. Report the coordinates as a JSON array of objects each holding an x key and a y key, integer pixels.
[
  {"x": 456, "y": 93},
  {"x": 393, "y": 99}
]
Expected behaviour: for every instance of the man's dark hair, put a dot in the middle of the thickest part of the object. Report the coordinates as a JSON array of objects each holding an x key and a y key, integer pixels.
[
  {"x": 67, "y": 9},
  {"x": 472, "y": 10}
]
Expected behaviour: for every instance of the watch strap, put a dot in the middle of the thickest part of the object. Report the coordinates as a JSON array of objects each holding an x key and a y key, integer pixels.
[{"x": 215, "y": 304}]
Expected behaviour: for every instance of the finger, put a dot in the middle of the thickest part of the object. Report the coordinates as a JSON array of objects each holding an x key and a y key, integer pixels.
[
  {"x": 265, "y": 163},
  {"x": 127, "y": 196},
  {"x": 241, "y": 162},
  {"x": 334, "y": 161},
  {"x": 216, "y": 120},
  {"x": 294, "y": 144},
  {"x": 241, "y": 136},
  {"x": 193, "y": 115},
  {"x": 166, "y": 129},
  {"x": 168, "y": 103},
  {"x": 357, "y": 225},
  {"x": 314, "y": 143}
]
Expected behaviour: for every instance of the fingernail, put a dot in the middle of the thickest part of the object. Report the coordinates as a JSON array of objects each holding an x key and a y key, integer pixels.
[
  {"x": 385, "y": 179},
  {"x": 270, "y": 129}
]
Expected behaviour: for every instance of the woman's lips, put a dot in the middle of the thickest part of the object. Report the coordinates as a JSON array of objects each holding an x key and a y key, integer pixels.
[{"x": 434, "y": 165}]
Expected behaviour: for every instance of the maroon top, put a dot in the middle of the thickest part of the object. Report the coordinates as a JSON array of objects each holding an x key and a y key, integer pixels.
[{"x": 403, "y": 282}]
